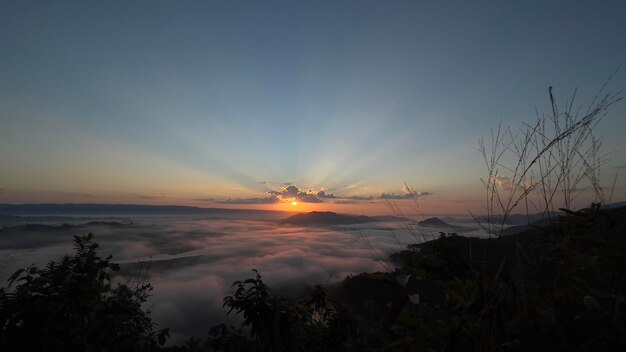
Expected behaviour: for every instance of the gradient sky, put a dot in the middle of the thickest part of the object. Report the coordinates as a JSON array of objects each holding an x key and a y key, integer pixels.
[{"x": 213, "y": 103}]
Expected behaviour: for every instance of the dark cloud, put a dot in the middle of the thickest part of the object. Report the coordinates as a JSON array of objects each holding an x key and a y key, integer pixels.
[
  {"x": 293, "y": 193},
  {"x": 323, "y": 194},
  {"x": 354, "y": 200},
  {"x": 285, "y": 194},
  {"x": 359, "y": 198},
  {"x": 405, "y": 195},
  {"x": 395, "y": 196},
  {"x": 289, "y": 191}
]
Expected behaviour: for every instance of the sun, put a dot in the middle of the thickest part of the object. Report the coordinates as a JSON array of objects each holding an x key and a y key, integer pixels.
[{"x": 294, "y": 203}]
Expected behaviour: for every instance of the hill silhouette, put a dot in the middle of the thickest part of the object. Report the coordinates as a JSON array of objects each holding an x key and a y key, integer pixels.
[
  {"x": 434, "y": 222},
  {"x": 517, "y": 219},
  {"x": 437, "y": 223}
]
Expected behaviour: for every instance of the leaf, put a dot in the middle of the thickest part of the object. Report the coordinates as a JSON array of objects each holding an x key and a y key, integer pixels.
[
  {"x": 162, "y": 336},
  {"x": 403, "y": 279}
]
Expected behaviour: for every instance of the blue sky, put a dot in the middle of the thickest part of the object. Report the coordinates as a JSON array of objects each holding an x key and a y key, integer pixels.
[{"x": 174, "y": 101}]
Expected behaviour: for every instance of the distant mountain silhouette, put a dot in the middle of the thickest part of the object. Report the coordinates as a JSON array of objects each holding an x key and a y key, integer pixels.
[
  {"x": 518, "y": 219},
  {"x": 65, "y": 227},
  {"x": 517, "y": 229},
  {"x": 614, "y": 205},
  {"x": 327, "y": 218},
  {"x": 434, "y": 222},
  {"x": 117, "y": 209},
  {"x": 538, "y": 222},
  {"x": 440, "y": 224},
  {"x": 389, "y": 218}
]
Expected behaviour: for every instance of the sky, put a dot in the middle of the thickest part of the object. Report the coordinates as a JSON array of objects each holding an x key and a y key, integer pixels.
[{"x": 333, "y": 105}]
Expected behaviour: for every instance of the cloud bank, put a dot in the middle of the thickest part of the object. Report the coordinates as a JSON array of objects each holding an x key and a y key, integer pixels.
[
  {"x": 292, "y": 193},
  {"x": 193, "y": 261}
]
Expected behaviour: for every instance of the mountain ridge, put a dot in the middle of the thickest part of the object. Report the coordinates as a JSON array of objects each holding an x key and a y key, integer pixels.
[{"x": 99, "y": 208}]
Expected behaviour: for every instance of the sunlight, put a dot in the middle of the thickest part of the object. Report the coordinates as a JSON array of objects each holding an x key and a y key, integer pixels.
[{"x": 294, "y": 203}]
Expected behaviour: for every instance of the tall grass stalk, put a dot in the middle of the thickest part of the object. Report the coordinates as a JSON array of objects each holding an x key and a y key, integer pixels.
[{"x": 546, "y": 165}]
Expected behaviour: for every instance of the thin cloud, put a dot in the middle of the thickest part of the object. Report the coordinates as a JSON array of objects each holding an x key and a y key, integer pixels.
[
  {"x": 404, "y": 195},
  {"x": 503, "y": 182},
  {"x": 395, "y": 196},
  {"x": 257, "y": 200},
  {"x": 358, "y": 198},
  {"x": 352, "y": 201},
  {"x": 150, "y": 196},
  {"x": 86, "y": 195}
]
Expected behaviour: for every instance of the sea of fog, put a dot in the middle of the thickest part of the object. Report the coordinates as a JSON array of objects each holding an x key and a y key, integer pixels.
[{"x": 192, "y": 260}]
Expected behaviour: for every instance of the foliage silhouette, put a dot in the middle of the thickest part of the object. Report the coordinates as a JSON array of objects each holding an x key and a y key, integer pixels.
[
  {"x": 71, "y": 305},
  {"x": 547, "y": 289},
  {"x": 313, "y": 324}
]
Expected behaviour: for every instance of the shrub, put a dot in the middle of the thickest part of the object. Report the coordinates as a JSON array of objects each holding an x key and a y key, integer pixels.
[
  {"x": 71, "y": 305},
  {"x": 313, "y": 324}
]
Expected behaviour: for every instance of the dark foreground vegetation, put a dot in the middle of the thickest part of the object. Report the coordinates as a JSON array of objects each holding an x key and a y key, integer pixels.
[{"x": 560, "y": 287}]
